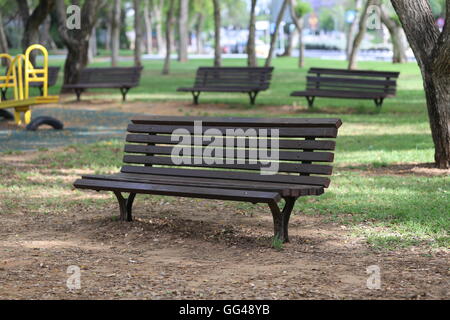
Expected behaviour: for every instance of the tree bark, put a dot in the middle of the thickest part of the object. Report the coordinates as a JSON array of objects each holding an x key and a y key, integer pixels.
[
  {"x": 432, "y": 50},
  {"x": 77, "y": 41},
  {"x": 395, "y": 32},
  {"x": 352, "y": 60},
  {"x": 199, "y": 31},
  {"x": 299, "y": 22},
  {"x": 273, "y": 40},
  {"x": 45, "y": 38},
  {"x": 169, "y": 26},
  {"x": 138, "y": 31},
  {"x": 32, "y": 22},
  {"x": 217, "y": 29},
  {"x": 115, "y": 32},
  {"x": 92, "y": 52},
  {"x": 157, "y": 8},
  {"x": 251, "y": 45},
  {"x": 148, "y": 28},
  {"x": 352, "y": 29},
  {"x": 183, "y": 31}
]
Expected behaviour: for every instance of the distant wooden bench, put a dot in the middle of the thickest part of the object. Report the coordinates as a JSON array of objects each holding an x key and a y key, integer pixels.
[
  {"x": 349, "y": 84},
  {"x": 231, "y": 79},
  {"x": 151, "y": 165},
  {"x": 110, "y": 78},
  {"x": 53, "y": 73}
]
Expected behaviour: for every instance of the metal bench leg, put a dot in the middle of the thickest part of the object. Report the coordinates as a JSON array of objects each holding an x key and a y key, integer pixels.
[
  {"x": 3, "y": 94},
  {"x": 124, "y": 92},
  {"x": 78, "y": 92},
  {"x": 126, "y": 206},
  {"x": 281, "y": 218},
  {"x": 379, "y": 102},
  {"x": 253, "y": 96},
  {"x": 311, "y": 101},
  {"x": 196, "y": 95}
]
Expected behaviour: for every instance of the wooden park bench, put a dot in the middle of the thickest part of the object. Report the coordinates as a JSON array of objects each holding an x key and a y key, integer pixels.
[
  {"x": 349, "y": 84},
  {"x": 53, "y": 73},
  {"x": 107, "y": 78},
  {"x": 231, "y": 79},
  {"x": 150, "y": 167}
]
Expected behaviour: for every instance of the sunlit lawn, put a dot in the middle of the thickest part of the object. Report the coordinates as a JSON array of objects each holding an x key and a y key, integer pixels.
[{"x": 388, "y": 210}]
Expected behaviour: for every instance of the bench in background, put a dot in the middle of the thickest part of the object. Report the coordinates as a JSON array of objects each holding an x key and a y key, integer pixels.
[
  {"x": 107, "y": 78},
  {"x": 305, "y": 156},
  {"x": 349, "y": 84},
  {"x": 231, "y": 79}
]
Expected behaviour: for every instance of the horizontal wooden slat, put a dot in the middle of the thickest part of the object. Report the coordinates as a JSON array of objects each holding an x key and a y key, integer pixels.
[
  {"x": 238, "y": 122},
  {"x": 283, "y": 132},
  {"x": 283, "y": 167},
  {"x": 285, "y": 189},
  {"x": 352, "y": 81},
  {"x": 282, "y": 155},
  {"x": 360, "y": 73},
  {"x": 179, "y": 191},
  {"x": 231, "y": 175},
  {"x": 283, "y": 143},
  {"x": 339, "y": 94}
]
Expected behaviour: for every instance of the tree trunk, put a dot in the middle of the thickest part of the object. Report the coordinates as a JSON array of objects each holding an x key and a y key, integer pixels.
[
  {"x": 183, "y": 31},
  {"x": 92, "y": 52},
  {"x": 77, "y": 41},
  {"x": 273, "y": 40},
  {"x": 109, "y": 22},
  {"x": 45, "y": 38},
  {"x": 3, "y": 42},
  {"x": 251, "y": 46},
  {"x": 198, "y": 32},
  {"x": 351, "y": 30},
  {"x": 138, "y": 31},
  {"x": 148, "y": 28},
  {"x": 159, "y": 23},
  {"x": 217, "y": 29},
  {"x": 432, "y": 50},
  {"x": 33, "y": 22},
  {"x": 169, "y": 34},
  {"x": 395, "y": 32},
  {"x": 115, "y": 32},
  {"x": 299, "y": 22}
]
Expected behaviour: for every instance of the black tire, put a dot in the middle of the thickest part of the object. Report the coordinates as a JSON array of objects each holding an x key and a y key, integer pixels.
[
  {"x": 41, "y": 121},
  {"x": 6, "y": 115}
]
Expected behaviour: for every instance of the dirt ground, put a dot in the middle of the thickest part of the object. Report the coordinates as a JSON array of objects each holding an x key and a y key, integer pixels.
[{"x": 196, "y": 249}]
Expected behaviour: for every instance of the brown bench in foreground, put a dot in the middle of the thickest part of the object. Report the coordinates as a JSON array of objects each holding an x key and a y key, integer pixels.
[
  {"x": 231, "y": 79},
  {"x": 151, "y": 165},
  {"x": 107, "y": 78},
  {"x": 349, "y": 84}
]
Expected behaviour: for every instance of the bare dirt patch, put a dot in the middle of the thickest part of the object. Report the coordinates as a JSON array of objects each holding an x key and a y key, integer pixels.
[{"x": 417, "y": 169}]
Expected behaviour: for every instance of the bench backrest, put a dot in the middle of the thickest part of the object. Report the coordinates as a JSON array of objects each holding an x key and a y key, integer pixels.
[
  {"x": 234, "y": 77},
  {"x": 304, "y": 148},
  {"x": 53, "y": 73},
  {"x": 129, "y": 76},
  {"x": 352, "y": 80}
]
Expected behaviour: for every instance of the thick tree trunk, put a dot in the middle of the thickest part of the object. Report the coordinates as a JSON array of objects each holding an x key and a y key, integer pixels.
[
  {"x": 352, "y": 60},
  {"x": 352, "y": 29},
  {"x": 183, "y": 31},
  {"x": 33, "y": 22},
  {"x": 138, "y": 31},
  {"x": 3, "y": 42},
  {"x": 432, "y": 50},
  {"x": 77, "y": 41},
  {"x": 217, "y": 28},
  {"x": 45, "y": 38},
  {"x": 199, "y": 31},
  {"x": 169, "y": 28},
  {"x": 92, "y": 52},
  {"x": 115, "y": 32},
  {"x": 273, "y": 40},
  {"x": 148, "y": 28},
  {"x": 251, "y": 45}
]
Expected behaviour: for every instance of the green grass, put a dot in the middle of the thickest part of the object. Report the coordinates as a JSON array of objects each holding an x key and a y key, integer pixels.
[{"x": 389, "y": 211}]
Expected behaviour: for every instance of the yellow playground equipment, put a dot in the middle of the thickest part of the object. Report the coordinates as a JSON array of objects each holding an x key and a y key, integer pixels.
[{"x": 19, "y": 75}]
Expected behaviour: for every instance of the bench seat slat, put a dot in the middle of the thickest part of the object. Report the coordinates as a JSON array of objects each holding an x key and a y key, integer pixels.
[
  {"x": 179, "y": 191},
  {"x": 340, "y": 94},
  {"x": 286, "y": 190}
]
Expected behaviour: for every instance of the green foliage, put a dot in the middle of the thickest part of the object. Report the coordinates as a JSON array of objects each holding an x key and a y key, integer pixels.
[
  {"x": 326, "y": 19},
  {"x": 302, "y": 8}
]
